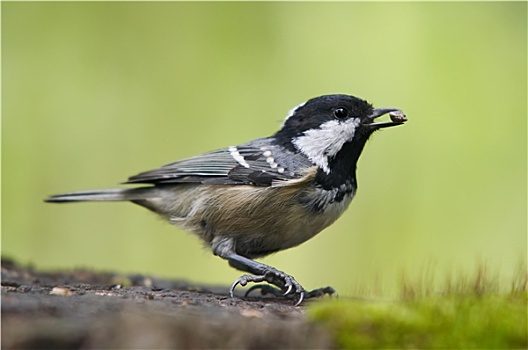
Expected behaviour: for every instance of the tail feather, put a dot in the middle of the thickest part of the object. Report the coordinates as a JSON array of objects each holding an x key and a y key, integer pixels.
[{"x": 121, "y": 194}]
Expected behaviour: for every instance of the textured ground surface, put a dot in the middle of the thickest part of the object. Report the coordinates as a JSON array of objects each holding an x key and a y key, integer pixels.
[{"x": 83, "y": 309}]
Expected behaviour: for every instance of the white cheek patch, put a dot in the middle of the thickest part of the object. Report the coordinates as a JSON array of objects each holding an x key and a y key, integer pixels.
[
  {"x": 238, "y": 157},
  {"x": 321, "y": 144}
]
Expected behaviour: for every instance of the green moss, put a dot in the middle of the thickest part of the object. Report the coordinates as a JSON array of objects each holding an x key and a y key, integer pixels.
[{"x": 489, "y": 321}]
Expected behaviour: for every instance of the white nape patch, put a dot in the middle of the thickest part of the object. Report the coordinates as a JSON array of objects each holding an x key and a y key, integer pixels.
[
  {"x": 236, "y": 156},
  {"x": 291, "y": 112},
  {"x": 321, "y": 144}
]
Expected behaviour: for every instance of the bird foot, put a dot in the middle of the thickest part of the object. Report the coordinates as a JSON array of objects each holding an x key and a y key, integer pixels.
[
  {"x": 266, "y": 289},
  {"x": 287, "y": 286}
]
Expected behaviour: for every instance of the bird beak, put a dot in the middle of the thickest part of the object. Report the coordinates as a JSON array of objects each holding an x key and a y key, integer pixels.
[{"x": 396, "y": 115}]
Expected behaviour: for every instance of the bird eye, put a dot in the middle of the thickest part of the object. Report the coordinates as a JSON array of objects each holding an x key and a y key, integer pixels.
[{"x": 340, "y": 113}]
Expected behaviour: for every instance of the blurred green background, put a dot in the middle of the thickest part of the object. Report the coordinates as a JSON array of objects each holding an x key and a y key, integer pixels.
[{"x": 96, "y": 92}]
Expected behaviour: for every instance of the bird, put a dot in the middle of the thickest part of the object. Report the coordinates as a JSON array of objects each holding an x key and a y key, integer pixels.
[{"x": 265, "y": 195}]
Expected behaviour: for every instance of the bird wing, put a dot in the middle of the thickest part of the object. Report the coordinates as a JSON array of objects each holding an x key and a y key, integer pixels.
[{"x": 253, "y": 163}]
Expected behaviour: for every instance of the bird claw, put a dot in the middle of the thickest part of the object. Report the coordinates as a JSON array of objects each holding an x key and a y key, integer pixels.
[
  {"x": 243, "y": 280},
  {"x": 286, "y": 286},
  {"x": 288, "y": 290}
]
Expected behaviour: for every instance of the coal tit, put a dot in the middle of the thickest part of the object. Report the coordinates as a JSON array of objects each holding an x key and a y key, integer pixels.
[{"x": 265, "y": 195}]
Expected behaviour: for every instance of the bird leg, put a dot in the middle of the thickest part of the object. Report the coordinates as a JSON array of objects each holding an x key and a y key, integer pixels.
[{"x": 259, "y": 272}]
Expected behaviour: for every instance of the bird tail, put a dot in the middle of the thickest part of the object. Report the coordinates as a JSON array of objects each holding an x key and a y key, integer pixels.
[{"x": 120, "y": 194}]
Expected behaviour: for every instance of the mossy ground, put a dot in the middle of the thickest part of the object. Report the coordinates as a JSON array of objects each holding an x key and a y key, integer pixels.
[
  {"x": 452, "y": 322},
  {"x": 470, "y": 313}
]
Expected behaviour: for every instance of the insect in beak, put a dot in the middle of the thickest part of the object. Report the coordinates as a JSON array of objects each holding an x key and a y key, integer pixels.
[{"x": 396, "y": 115}]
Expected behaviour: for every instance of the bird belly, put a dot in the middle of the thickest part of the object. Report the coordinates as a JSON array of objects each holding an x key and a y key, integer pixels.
[{"x": 262, "y": 220}]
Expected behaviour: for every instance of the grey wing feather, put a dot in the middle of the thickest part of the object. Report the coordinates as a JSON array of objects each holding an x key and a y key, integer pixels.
[
  {"x": 196, "y": 169},
  {"x": 258, "y": 162}
]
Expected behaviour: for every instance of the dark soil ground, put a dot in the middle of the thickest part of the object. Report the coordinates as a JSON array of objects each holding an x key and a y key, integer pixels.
[{"x": 93, "y": 310}]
